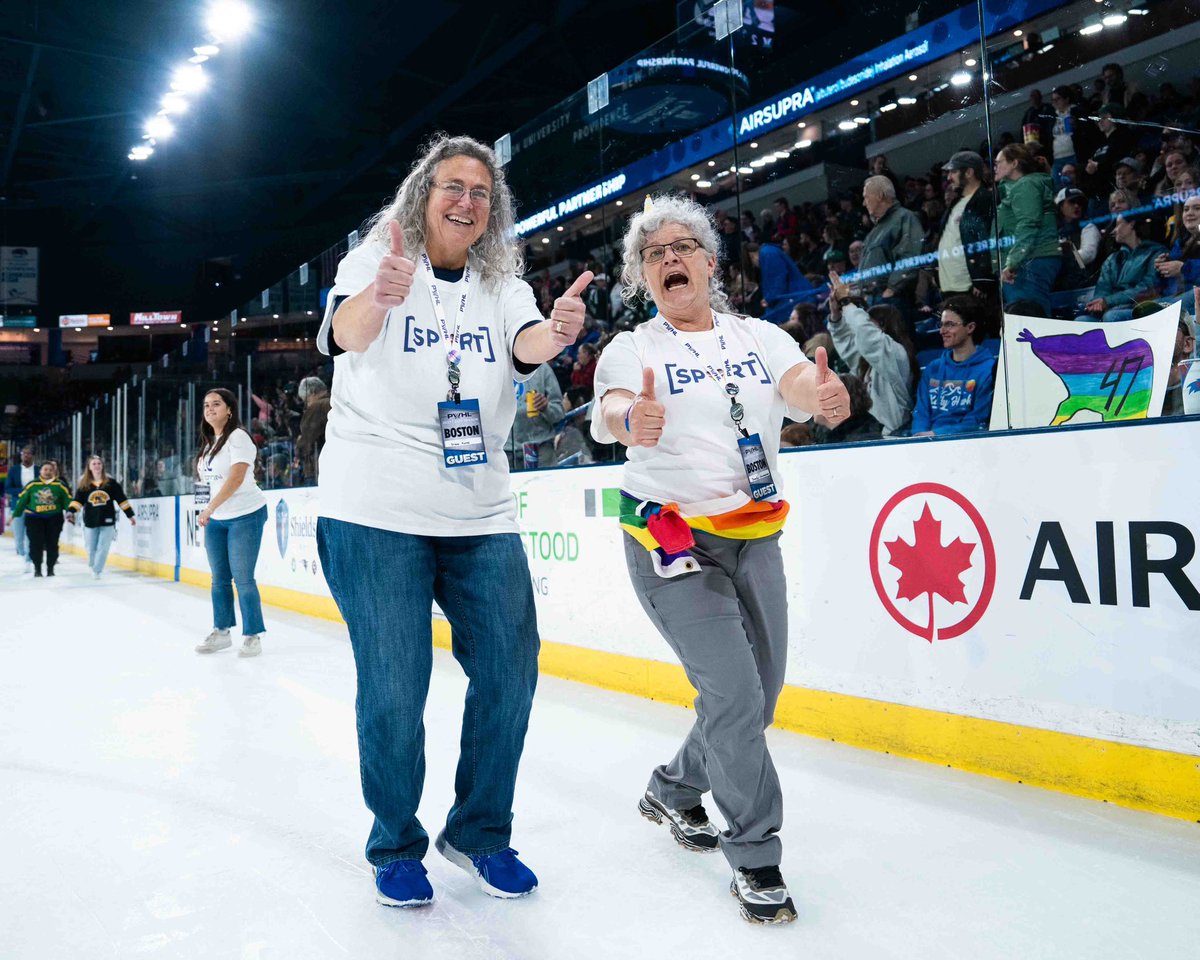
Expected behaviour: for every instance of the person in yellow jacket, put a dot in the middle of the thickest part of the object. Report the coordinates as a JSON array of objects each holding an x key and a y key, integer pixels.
[{"x": 42, "y": 503}]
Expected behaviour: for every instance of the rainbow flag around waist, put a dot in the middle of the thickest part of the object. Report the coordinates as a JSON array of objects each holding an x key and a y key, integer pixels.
[{"x": 662, "y": 530}]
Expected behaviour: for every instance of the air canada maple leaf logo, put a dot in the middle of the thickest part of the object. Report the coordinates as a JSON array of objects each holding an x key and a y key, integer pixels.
[{"x": 934, "y": 584}]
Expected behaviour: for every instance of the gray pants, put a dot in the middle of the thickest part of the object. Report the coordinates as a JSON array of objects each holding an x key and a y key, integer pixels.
[{"x": 728, "y": 626}]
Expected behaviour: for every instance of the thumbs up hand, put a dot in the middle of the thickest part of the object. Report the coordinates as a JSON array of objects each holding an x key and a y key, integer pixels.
[
  {"x": 393, "y": 279},
  {"x": 646, "y": 416},
  {"x": 833, "y": 401},
  {"x": 568, "y": 314}
]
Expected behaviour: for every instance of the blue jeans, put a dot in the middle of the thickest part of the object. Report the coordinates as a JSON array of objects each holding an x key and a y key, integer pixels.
[
  {"x": 98, "y": 540},
  {"x": 385, "y": 584},
  {"x": 232, "y": 548},
  {"x": 1035, "y": 279},
  {"x": 20, "y": 537}
]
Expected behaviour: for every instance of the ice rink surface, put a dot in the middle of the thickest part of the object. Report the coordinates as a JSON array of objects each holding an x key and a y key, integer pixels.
[{"x": 159, "y": 803}]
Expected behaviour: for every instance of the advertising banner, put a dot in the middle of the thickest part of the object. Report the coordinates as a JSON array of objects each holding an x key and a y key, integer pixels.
[
  {"x": 156, "y": 318},
  {"x": 1063, "y": 371},
  {"x": 18, "y": 276},
  {"x": 72, "y": 320},
  {"x": 1048, "y": 579}
]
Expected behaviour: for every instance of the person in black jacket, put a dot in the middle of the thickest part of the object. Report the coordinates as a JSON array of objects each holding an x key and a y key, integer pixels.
[
  {"x": 966, "y": 259},
  {"x": 99, "y": 496}
]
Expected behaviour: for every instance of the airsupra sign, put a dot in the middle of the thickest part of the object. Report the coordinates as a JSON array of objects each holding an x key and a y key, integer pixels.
[{"x": 940, "y": 38}]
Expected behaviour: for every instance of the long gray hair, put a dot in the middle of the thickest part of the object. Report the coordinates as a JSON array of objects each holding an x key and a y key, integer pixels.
[
  {"x": 664, "y": 209},
  {"x": 496, "y": 255}
]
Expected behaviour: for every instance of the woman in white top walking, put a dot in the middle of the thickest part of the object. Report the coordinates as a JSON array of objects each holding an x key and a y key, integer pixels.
[{"x": 234, "y": 512}]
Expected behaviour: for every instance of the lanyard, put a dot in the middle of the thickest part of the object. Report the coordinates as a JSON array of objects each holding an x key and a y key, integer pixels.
[
  {"x": 449, "y": 337},
  {"x": 737, "y": 412}
]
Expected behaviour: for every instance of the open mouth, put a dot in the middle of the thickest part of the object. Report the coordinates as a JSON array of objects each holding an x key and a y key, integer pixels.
[
  {"x": 460, "y": 220},
  {"x": 675, "y": 278}
]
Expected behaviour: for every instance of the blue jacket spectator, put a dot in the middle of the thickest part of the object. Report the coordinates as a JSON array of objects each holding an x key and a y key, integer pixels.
[
  {"x": 782, "y": 283},
  {"x": 955, "y": 393},
  {"x": 1129, "y": 274}
]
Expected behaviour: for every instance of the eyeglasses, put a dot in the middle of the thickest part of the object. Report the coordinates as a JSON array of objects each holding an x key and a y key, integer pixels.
[
  {"x": 683, "y": 247},
  {"x": 456, "y": 190},
  {"x": 950, "y": 324}
]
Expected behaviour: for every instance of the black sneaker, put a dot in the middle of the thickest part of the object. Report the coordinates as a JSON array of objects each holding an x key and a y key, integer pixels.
[
  {"x": 691, "y": 828},
  {"x": 762, "y": 895}
]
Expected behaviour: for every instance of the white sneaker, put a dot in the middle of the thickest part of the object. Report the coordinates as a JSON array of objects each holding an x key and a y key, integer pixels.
[
  {"x": 217, "y": 640},
  {"x": 251, "y": 646},
  {"x": 95, "y": 574}
]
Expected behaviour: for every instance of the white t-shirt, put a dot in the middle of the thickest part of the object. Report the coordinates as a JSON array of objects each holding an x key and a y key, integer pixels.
[
  {"x": 953, "y": 275},
  {"x": 28, "y": 474},
  {"x": 382, "y": 465},
  {"x": 697, "y": 463},
  {"x": 247, "y": 498}
]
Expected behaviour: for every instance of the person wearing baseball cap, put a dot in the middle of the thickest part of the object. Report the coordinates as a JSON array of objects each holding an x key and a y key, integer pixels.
[
  {"x": 965, "y": 258},
  {"x": 1080, "y": 241},
  {"x": 1128, "y": 175}
]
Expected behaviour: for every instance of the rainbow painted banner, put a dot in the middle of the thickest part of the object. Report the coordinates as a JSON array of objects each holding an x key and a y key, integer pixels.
[{"x": 1053, "y": 372}]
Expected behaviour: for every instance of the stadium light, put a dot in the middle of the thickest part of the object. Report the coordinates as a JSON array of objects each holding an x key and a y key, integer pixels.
[
  {"x": 704, "y": 184},
  {"x": 847, "y": 125},
  {"x": 906, "y": 101},
  {"x": 173, "y": 103},
  {"x": 1114, "y": 19},
  {"x": 888, "y": 107},
  {"x": 160, "y": 128},
  {"x": 229, "y": 19},
  {"x": 1091, "y": 28},
  {"x": 189, "y": 79},
  {"x": 960, "y": 78},
  {"x": 803, "y": 144},
  {"x": 206, "y": 50}
]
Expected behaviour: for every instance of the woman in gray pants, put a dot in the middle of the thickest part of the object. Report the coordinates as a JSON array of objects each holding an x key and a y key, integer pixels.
[{"x": 698, "y": 395}]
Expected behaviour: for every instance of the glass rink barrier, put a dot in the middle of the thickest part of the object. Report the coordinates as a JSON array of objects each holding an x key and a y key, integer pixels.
[{"x": 987, "y": 216}]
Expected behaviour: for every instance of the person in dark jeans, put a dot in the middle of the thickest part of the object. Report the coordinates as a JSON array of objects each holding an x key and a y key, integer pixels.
[{"x": 42, "y": 504}]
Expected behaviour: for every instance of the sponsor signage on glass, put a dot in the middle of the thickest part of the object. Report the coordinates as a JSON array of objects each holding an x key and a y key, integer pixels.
[
  {"x": 156, "y": 317},
  {"x": 84, "y": 320}
]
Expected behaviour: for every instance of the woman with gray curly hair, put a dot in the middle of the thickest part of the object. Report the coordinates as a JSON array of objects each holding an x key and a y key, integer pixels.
[
  {"x": 698, "y": 396},
  {"x": 429, "y": 324}
]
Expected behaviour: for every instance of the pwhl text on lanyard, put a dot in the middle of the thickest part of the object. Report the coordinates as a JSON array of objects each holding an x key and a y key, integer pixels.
[
  {"x": 449, "y": 337},
  {"x": 736, "y": 411}
]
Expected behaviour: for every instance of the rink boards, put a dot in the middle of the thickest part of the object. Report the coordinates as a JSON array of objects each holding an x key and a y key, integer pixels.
[{"x": 1024, "y": 605}]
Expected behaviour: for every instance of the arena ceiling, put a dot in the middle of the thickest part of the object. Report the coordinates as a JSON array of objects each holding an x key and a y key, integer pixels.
[{"x": 310, "y": 123}]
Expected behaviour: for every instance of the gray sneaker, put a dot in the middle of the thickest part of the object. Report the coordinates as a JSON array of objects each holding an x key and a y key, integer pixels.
[
  {"x": 217, "y": 640},
  {"x": 251, "y": 646}
]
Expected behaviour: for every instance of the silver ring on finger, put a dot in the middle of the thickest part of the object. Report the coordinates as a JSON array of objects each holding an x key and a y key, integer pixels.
[{"x": 558, "y": 327}]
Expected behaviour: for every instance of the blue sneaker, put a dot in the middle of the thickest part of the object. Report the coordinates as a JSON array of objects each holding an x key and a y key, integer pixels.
[
  {"x": 499, "y": 874},
  {"x": 403, "y": 883}
]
